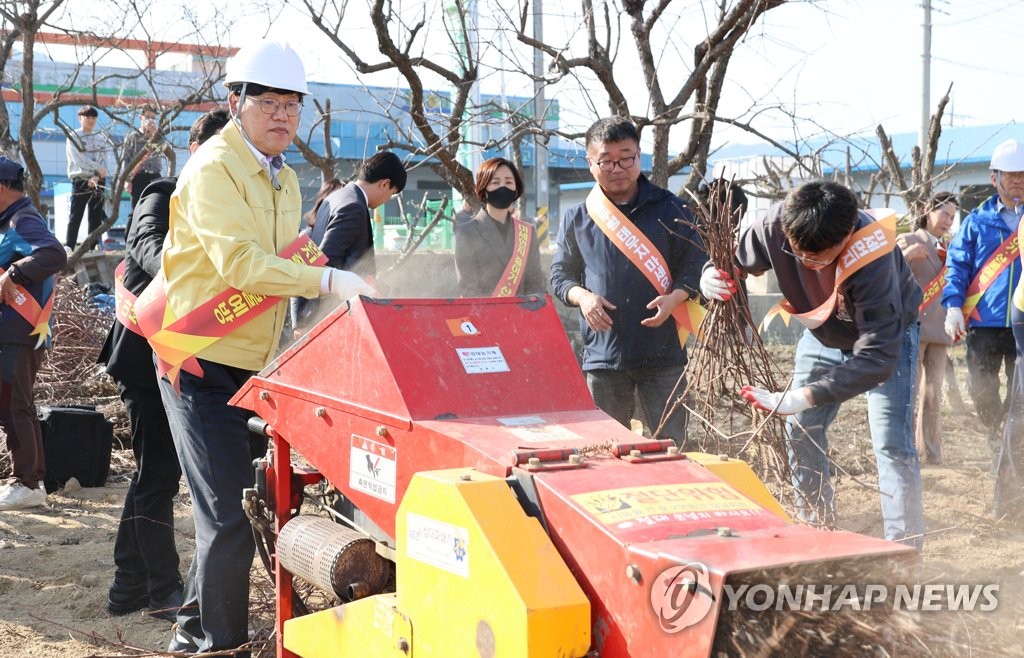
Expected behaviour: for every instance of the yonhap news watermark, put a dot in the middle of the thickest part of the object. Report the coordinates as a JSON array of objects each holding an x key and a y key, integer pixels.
[{"x": 682, "y": 595}]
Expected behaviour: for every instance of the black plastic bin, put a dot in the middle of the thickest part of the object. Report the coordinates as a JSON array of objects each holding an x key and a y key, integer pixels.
[{"x": 77, "y": 442}]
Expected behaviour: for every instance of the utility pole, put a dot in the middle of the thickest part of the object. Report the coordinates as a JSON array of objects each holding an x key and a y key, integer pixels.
[
  {"x": 540, "y": 151},
  {"x": 926, "y": 74}
]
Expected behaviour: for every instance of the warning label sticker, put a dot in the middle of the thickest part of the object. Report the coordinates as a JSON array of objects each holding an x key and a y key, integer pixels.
[
  {"x": 438, "y": 544},
  {"x": 517, "y": 421},
  {"x": 543, "y": 433},
  {"x": 617, "y": 505},
  {"x": 476, "y": 360},
  {"x": 373, "y": 468}
]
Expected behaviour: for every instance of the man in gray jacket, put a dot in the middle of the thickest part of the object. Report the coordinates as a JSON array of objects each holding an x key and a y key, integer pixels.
[{"x": 843, "y": 278}]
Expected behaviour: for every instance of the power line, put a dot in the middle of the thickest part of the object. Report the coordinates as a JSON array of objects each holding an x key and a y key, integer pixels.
[{"x": 986, "y": 68}]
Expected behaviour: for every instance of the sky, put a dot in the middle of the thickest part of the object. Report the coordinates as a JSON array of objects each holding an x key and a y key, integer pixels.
[{"x": 808, "y": 67}]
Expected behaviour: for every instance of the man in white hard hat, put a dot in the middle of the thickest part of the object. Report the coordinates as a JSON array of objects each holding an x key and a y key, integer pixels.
[
  {"x": 982, "y": 270},
  {"x": 231, "y": 241}
]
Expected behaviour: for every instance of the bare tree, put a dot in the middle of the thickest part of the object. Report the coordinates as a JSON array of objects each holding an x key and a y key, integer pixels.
[
  {"x": 670, "y": 93},
  {"x": 889, "y": 177},
  {"x": 423, "y": 121},
  {"x": 33, "y": 22},
  {"x": 23, "y": 21}
]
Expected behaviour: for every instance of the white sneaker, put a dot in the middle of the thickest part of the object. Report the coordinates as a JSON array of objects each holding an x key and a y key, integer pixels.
[{"x": 18, "y": 496}]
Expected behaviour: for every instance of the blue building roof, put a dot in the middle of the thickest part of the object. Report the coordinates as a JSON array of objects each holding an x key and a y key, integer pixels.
[{"x": 961, "y": 145}]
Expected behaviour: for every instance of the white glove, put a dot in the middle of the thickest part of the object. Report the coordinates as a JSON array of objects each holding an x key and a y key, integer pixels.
[
  {"x": 343, "y": 284},
  {"x": 784, "y": 404},
  {"x": 955, "y": 326},
  {"x": 716, "y": 284}
]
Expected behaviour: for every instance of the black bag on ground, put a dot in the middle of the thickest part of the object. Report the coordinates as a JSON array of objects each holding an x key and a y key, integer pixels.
[{"x": 77, "y": 442}]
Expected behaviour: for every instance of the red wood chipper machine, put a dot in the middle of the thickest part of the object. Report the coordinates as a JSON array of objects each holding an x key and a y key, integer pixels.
[{"x": 489, "y": 509}]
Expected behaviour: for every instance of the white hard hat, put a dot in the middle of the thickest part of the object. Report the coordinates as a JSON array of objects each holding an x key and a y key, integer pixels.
[
  {"x": 269, "y": 63},
  {"x": 1008, "y": 156}
]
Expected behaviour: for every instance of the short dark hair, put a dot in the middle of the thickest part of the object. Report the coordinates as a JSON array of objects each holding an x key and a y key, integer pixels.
[
  {"x": 937, "y": 199},
  {"x": 207, "y": 126},
  {"x": 256, "y": 89},
  {"x": 383, "y": 165},
  {"x": 612, "y": 129},
  {"x": 88, "y": 111},
  {"x": 818, "y": 215},
  {"x": 486, "y": 172}
]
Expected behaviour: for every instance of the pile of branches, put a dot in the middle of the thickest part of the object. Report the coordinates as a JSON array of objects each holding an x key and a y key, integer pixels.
[
  {"x": 70, "y": 374},
  {"x": 728, "y": 355},
  {"x": 842, "y": 622}
]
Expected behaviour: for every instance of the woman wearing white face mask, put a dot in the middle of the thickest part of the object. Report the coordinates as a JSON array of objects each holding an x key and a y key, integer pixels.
[
  {"x": 497, "y": 255},
  {"x": 925, "y": 252}
]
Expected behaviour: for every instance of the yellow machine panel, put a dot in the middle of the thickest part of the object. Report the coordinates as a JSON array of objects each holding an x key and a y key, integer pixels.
[
  {"x": 478, "y": 577},
  {"x": 740, "y": 476}
]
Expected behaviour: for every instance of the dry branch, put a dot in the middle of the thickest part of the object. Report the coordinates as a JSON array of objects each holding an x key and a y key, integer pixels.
[{"x": 729, "y": 354}]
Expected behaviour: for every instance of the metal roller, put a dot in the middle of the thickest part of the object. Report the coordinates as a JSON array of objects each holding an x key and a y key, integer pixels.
[{"x": 332, "y": 557}]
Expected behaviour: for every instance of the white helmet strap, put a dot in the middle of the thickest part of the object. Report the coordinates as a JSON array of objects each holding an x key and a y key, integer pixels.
[{"x": 238, "y": 124}]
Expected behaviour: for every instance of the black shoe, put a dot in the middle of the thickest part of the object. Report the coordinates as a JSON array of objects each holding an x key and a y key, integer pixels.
[
  {"x": 123, "y": 600},
  {"x": 167, "y": 607},
  {"x": 183, "y": 642}
]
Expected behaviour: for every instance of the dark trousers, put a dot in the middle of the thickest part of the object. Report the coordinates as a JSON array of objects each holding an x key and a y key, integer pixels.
[
  {"x": 617, "y": 391},
  {"x": 989, "y": 350},
  {"x": 145, "y": 556},
  {"x": 139, "y": 183},
  {"x": 215, "y": 450},
  {"x": 82, "y": 197},
  {"x": 18, "y": 367}
]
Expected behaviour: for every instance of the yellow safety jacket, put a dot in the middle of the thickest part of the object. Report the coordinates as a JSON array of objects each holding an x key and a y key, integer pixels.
[{"x": 226, "y": 225}]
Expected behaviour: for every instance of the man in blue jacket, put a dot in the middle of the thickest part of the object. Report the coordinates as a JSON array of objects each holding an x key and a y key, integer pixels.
[
  {"x": 29, "y": 257},
  {"x": 979, "y": 304},
  {"x": 631, "y": 346}
]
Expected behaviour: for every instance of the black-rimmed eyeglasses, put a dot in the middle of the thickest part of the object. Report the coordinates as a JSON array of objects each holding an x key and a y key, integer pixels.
[{"x": 622, "y": 163}]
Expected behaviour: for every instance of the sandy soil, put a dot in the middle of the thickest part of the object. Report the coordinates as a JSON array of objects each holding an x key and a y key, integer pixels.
[{"x": 56, "y": 563}]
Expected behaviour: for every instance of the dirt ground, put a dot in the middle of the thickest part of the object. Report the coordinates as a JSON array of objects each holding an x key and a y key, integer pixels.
[{"x": 56, "y": 563}]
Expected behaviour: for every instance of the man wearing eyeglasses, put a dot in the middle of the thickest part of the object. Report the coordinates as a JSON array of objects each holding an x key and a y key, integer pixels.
[
  {"x": 978, "y": 305},
  {"x": 628, "y": 258},
  {"x": 232, "y": 225},
  {"x": 845, "y": 281}
]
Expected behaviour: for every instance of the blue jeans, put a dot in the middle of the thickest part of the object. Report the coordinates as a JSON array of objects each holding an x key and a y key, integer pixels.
[
  {"x": 1008, "y": 497},
  {"x": 216, "y": 451},
  {"x": 890, "y": 418},
  {"x": 616, "y": 391}
]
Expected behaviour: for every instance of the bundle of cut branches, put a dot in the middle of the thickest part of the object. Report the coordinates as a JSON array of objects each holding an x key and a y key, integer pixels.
[
  {"x": 70, "y": 374},
  {"x": 729, "y": 354}
]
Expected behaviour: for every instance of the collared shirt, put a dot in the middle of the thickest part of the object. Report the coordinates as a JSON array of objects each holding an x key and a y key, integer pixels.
[
  {"x": 272, "y": 166},
  {"x": 1010, "y": 218},
  {"x": 362, "y": 193},
  {"x": 96, "y": 154}
]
